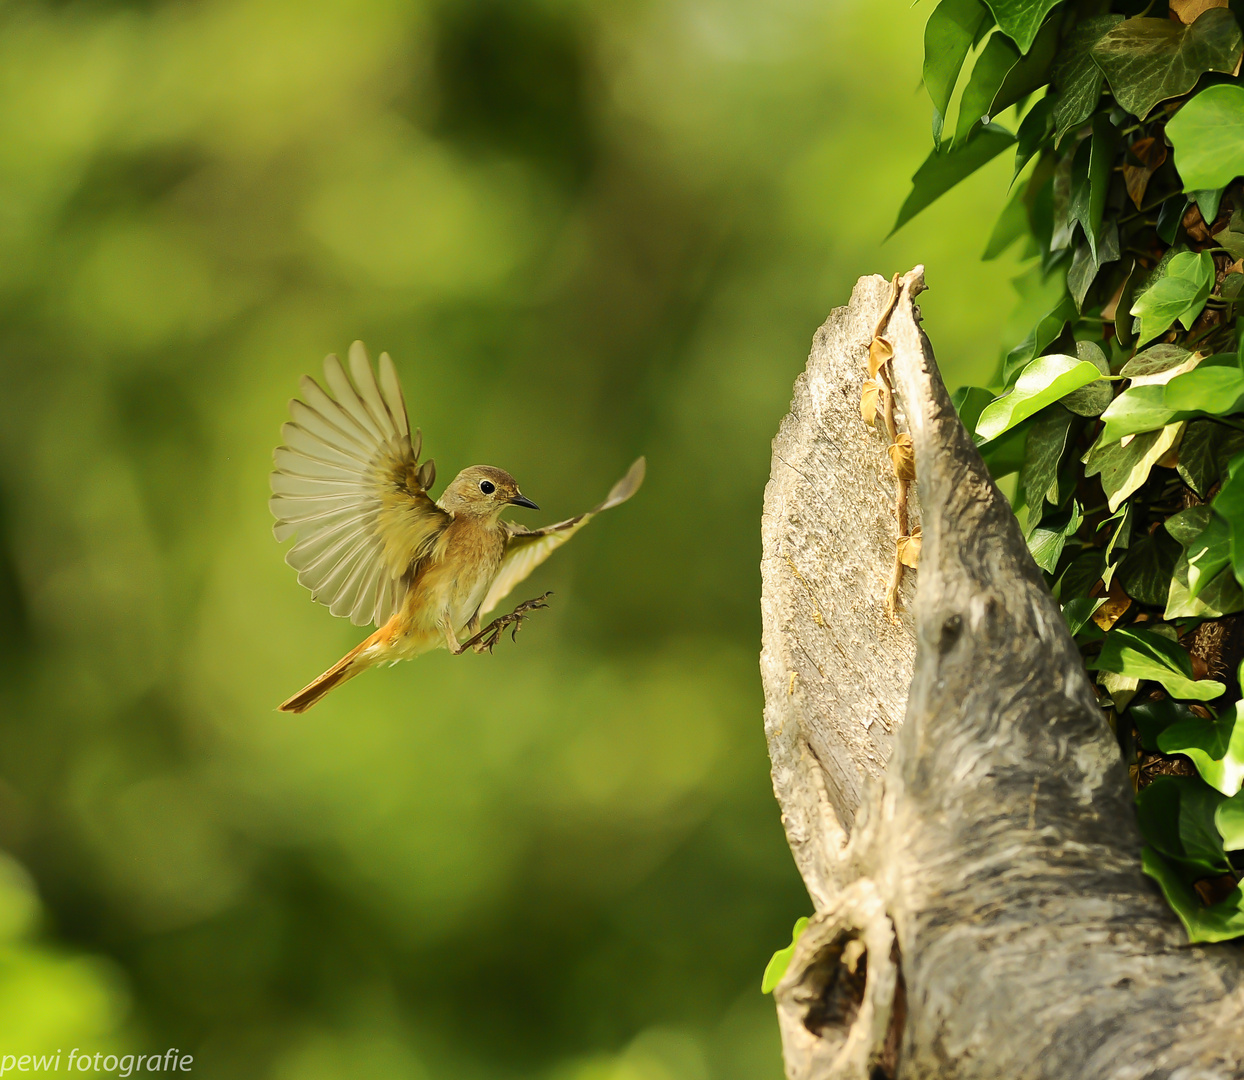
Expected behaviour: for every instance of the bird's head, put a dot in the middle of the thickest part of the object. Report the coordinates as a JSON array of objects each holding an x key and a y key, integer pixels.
[{"x": 483, "y": 491}]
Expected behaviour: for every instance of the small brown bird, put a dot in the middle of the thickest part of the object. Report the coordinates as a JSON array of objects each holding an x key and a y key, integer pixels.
[{"x": 374, "y": 546}]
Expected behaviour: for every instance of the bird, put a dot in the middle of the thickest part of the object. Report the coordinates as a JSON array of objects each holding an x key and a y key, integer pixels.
[{"x": 373, "y": 545}]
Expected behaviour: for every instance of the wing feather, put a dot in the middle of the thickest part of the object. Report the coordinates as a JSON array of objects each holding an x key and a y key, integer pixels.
[
  {"x": 348, "y": 398},
  {"x": 348, "y": 429},
  {"x": 346, "y": 486},
  {"x": 325, "y": 432},
  {"x": 365, "y": 380},
  {"x": 299, "y": 440},
  {"x": 527, "y": 549},
  {"x": 297, "y": 463},
  {"x": 391, "y": 388}
]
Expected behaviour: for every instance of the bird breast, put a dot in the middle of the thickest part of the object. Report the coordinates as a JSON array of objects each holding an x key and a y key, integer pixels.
[{"x": 457, "y": 573}]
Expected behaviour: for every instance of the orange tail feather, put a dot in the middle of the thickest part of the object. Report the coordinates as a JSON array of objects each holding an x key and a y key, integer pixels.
[{"x": 353, "y": 663}]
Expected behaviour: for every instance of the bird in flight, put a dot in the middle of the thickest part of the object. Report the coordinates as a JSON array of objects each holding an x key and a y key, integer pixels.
[{"x": 373, "y": 545}]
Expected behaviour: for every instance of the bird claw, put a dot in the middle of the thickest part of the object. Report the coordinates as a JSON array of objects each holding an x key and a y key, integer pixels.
[{"x": 487, "y": 638}]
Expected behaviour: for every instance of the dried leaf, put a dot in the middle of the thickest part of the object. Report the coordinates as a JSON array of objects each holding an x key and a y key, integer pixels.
[
  {"x": 878, "y": 353},
  {"x": 1117, "y": 603},
  {"x": 1195, "y": 224},
  {"x": 1186, "y": 11},
  {"x": 903, "y": 457},
  {"x": 1150, "y": 155},
  {"x": 909, "y": 549},
  {"x": 870, "y": 398}
]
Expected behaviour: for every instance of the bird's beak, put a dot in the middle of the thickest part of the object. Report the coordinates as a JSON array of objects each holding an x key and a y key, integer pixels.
[{"x": 522, "y": 500}]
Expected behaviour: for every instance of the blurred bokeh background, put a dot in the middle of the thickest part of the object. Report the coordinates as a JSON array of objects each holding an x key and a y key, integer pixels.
[{"x": 585, "y": 229}]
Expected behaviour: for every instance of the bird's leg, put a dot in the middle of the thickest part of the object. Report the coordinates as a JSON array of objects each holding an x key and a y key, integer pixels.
[
  {"x": 487, "y": 638},
  {"x": 451, "y": 639}
]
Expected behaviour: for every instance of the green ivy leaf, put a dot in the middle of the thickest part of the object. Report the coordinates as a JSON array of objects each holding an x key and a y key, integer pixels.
[
  {"x": 1076, "y": 75},
  {"x": 1229, "y": 818},
  {"x": 1219, "y": 595},
  {"x": 1147, "y": 60},
  {"x": 1229, "y": 505},
  {"x": 1080, "y": 577},
  {"x": 1204, "y": 451},
  {"x": 948, "y": 37},
  {"x": 1122, "y": 536},
  {"x": 1214, "y": 388},
  {"x": 1208, "y": 135},
  {"x": 1145, "y": 572},
  {"x": 1047, "y": 542},
  {"x": 1179, "y": 294},
  {"x": 1155, "y": 360},
  {"x": 1090, "y": 181},
  {"x": 1188, "y": 524},
  {"x": 1215, "y": 747},
  {"x": 1021, "y": 19},
  {"x": 1176, "y": 816},
  {"x": 1207, "y": 201},
  {"x": 1154, "y": 717},
  {"x": 1048, "y": 327},
  {"x": 1031, "y": 72},
  {"x": 944, "y": 168},
  {"x": 1091, "y": 399},
  {"x": 1209, "y": 554},
  {"x": 1231, "y": 236},
  {"x": 1074, "y": 587},
  {"x": 1042, "y": 382},
  {"x": 1038, "y": 479},
  {"x": 780, "y": 960},
  {"x": 1142, "y": 654},
  {"x": 1078, "y": 610},
  {"x": 1223, "y": 921},
  {"x": 1033, "y": 131},
  {"x": 1136, "y": 409},
  {"x": 988, "y": 73},
  {"x": 969, "y": 403},
  {"x": 1005, "y": 454},
  {"x": 1124, "y": 468}
]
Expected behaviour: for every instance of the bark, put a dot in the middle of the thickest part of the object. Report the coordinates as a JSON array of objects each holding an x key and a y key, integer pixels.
[{"x": 974, "y": 866}]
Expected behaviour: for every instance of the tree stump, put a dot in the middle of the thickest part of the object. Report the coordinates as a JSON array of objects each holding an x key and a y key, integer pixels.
[{"x": 952, "y": 794}]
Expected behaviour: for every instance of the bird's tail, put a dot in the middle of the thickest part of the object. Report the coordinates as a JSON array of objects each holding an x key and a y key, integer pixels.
[{"x": 355, "y": 662}]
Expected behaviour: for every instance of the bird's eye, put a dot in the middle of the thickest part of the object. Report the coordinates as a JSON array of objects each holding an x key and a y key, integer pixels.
[{"x": 487, "y": 487}]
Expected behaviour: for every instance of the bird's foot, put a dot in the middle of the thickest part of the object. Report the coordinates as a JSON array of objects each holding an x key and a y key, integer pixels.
[{"x": 488, "y": 637}]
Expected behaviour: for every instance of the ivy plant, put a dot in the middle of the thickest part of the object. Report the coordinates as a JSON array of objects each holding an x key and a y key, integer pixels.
[{"x": 1121, "y": 415}]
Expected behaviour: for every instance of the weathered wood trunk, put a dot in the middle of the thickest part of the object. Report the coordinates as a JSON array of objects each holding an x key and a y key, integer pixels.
[{"x": 953, "y": 796}]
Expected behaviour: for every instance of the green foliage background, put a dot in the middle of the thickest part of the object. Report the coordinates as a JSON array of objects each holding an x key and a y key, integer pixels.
[
  {"x": 584, "y": 230},
  {"x": 1119, "y": 417}
]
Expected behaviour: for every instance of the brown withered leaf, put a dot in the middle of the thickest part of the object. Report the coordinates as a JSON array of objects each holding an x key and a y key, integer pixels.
[
  {"x": 878, "y": 353},
  {"x": 1187, "y": 11},
  {"x": 1117, "y": 602},
  {"x": 903, "y": 457},
  {"x": 1150, "y": 153},
  {"x": 1216, "y": 889},
  {"x": 1195, "y": 224},
  {"x": 870, "y": 398},
  {"x": 909, "y": 548}
]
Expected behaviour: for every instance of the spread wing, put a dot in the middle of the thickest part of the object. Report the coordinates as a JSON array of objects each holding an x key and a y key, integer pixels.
[
  {"x": 527, "y": 549},
  {"x": 349, "y": 485}
]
